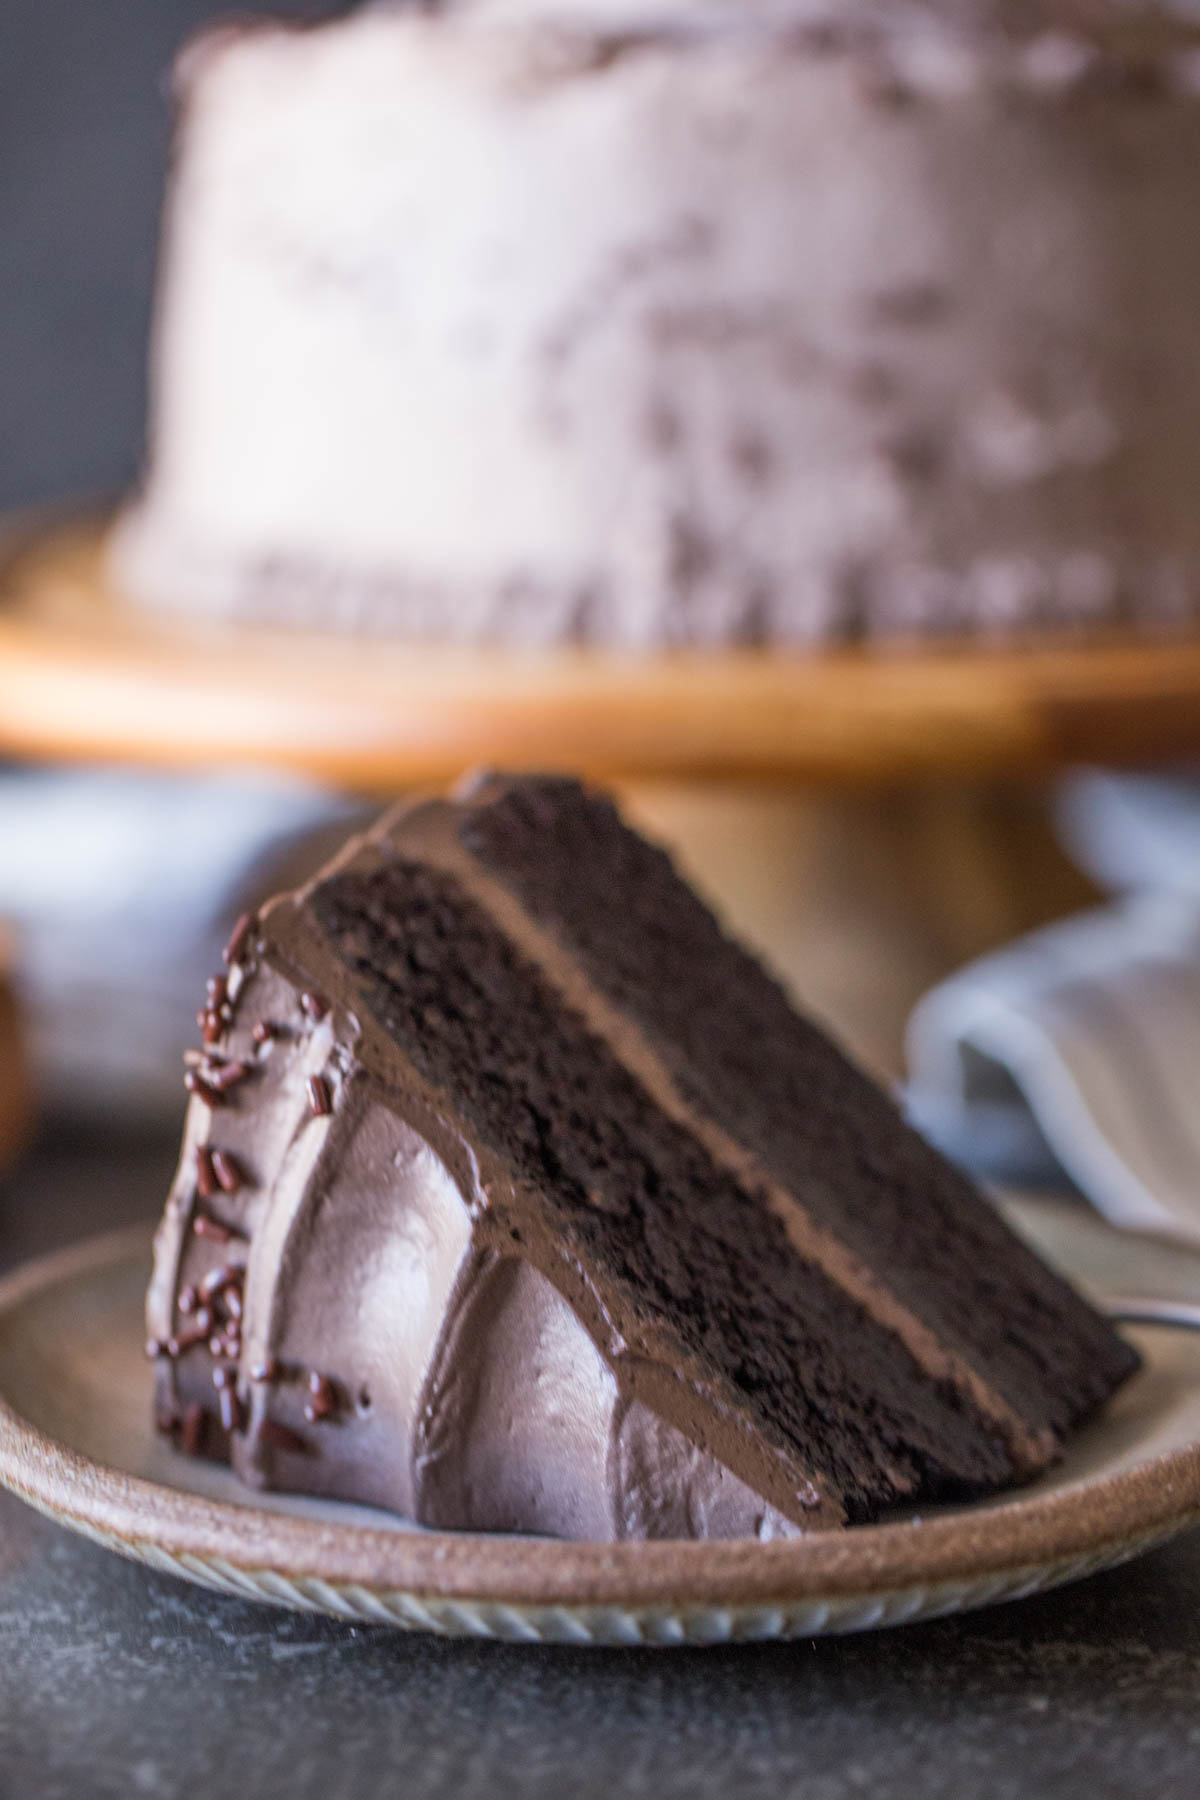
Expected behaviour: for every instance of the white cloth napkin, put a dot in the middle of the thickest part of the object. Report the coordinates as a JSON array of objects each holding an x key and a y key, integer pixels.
[{"x": 1081, "y": 1042}]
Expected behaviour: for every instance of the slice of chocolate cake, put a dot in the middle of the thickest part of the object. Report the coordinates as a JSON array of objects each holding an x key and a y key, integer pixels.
[{"x": 515, "y": 1196}]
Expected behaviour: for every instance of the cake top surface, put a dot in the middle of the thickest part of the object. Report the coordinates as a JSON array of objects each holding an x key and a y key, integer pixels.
[{"x": 1139, "y": 27}]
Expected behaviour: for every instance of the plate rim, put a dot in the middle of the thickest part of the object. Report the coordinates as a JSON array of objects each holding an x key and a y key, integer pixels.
[{"x": 1115, "y": 1515}]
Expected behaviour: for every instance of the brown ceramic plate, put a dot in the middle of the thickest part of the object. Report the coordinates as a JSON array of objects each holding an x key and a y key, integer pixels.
[{"x": 76, "y": 1442}]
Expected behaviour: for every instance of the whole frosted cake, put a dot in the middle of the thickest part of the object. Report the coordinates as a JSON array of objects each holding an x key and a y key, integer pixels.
[{"x": 538, "y": 320}]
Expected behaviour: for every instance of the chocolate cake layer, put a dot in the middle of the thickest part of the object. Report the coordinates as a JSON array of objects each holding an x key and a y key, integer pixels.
[
  {"x": 490, "y": 1211},
  {"x": 743, "y": 1054}
]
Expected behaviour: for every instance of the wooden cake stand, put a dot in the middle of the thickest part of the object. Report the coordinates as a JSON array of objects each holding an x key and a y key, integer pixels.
[
  {"x": 83, "y": 674},
  {"x": 926, "y": 854}
]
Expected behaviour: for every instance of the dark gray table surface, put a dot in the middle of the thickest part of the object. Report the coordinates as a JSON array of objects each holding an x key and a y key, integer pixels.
[{"x": 117, "y": 1682}]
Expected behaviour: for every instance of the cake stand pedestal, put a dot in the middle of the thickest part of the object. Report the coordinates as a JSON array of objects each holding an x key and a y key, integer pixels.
[{"x": 853, "y": 811}]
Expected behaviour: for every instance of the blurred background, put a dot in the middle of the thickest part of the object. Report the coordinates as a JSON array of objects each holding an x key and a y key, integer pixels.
[
  {"x": 84, "y": 139},
  {"x": 117, "y": 887}
]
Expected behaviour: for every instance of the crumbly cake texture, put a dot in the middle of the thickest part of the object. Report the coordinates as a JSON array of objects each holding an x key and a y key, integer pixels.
[
  {"x": 553, "y": 320},
  {"x": 514, "y": 1195}
]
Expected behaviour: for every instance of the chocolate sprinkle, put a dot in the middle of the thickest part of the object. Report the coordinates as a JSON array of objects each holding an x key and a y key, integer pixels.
[
  {"x": 227, "y": 1171},
  {"x": 206, "y": 1176},
  {"x": 237, "y": 939},
  {"x": 226, "y": 1076},
  {"x": 192, "y": 1437},
  {"x": 323, "y": 1400},
  {"x": 212, "y": 1229},
  {"x": 266, "y": 1371},
  {"x": 264, "y": 1031},
  {"x": 315, "y": 1005},
  {"x": 224, "y": 1275},
  {"x": 282, "y": 1437},
  {"x": 195, "y": 1084},
  {"x": 182, "y": 1341},
  {"x": 217, "y": 988},
  {"x": 319, "y": 1100}
]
